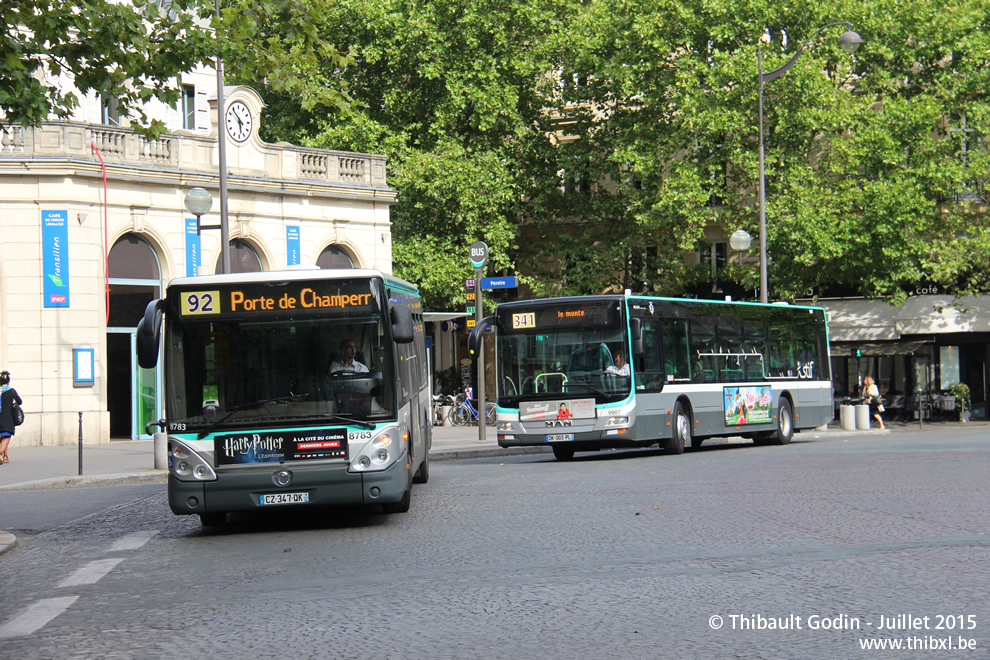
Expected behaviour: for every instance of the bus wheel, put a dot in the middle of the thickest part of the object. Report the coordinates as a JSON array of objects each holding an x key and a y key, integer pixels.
[
  {"x": 563, "y": 452},
  {"x": 681, "y": 436},
  {"x": 785, "y": 424},
  {"x": 212, "y": 519},
  {"x": 423, "y": 473}
]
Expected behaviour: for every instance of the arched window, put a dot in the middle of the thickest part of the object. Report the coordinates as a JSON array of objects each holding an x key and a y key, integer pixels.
[
  {"x": 135, "y": 280},
  {"x": 243, "y": 258},
  {"x": 334, "y": 256}
]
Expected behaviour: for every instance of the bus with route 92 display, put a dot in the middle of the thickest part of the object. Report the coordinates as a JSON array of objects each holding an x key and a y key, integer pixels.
[
  {"x": 612, "y": 371},
  {"x": 262, "y": 412}
]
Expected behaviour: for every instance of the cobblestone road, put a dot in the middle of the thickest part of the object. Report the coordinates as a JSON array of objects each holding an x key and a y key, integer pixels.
[{"x": 614, "y": 555}]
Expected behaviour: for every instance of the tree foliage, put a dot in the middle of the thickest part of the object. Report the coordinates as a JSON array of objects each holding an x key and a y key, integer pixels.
[{"x": 134, "y": 51}]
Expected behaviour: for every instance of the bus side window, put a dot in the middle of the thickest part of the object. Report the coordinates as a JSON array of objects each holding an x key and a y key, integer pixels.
[
  {"x": 649, "y": 372},
  {"x": 676, "y": 349}
]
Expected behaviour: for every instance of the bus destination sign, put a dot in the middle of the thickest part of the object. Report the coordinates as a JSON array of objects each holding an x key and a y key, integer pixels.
[{"x": 293, "y": 297}]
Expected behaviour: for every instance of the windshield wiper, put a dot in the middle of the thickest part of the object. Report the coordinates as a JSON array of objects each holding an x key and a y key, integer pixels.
[
  {"x": 347, "y": 420},
  {"x": 244, "y": 406}
]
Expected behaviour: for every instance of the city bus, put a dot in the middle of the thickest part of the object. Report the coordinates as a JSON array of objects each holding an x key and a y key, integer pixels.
[
  {"x": 298, "y": 388},
  {"x": 611, "y": 371}
]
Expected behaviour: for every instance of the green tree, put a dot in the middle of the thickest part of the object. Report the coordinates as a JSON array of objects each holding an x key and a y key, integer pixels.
[
  {"x": 454, "y": 93},
  {"x": 134, "y": 51},
  {"x": 859, "y": 149}
]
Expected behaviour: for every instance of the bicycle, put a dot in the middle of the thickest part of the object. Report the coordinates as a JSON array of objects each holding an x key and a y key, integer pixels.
[{"x": 464, "y": 412}]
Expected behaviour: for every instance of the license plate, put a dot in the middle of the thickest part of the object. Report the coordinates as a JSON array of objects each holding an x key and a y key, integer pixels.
[
  {"x": 560, "y": 437},
  {"x": 285, "y": 498}
]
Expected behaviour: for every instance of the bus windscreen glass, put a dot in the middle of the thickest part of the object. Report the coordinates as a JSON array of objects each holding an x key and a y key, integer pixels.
[
  {"x": 295, "y": 352},
  {"x": 577, "y": 349}
]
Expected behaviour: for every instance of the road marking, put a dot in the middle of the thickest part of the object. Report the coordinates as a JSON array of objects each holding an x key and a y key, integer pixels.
[
  {"x": 133, "y": 541},
  {"x": 35, "y": 616},
  {"x": 91, "y": 572}
]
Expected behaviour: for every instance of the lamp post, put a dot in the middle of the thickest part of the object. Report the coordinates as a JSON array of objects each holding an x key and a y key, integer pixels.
[
  {"x": 198, "y": 201},
  {"x": 849, "y": 41}
]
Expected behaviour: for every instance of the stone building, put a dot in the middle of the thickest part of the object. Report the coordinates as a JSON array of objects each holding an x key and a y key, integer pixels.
[{"x": 95, "y": 225}]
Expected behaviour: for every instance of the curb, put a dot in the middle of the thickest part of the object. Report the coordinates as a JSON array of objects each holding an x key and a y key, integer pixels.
[
  {"x": 7, "y": 542},
  {"x": 88, "y": 481}
]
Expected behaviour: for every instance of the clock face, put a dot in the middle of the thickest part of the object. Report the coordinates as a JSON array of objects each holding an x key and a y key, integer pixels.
[{"x": 239, "y": 121}]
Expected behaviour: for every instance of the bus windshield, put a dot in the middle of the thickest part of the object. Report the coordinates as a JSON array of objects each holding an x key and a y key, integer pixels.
[
  {"x": 290, "y": 353},
  {"x": 575, "y": 349}
]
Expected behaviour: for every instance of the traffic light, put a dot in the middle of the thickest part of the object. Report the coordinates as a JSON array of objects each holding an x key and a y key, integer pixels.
[{"x": 857, "y": 352}]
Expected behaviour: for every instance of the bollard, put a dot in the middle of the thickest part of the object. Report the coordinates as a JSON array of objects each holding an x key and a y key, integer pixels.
[
  {"x": 161, "y": 451},
  {"x": 847, "y": 418},
  {"x": 80, "y": 443},
  {"x": 863, "y": 417}
]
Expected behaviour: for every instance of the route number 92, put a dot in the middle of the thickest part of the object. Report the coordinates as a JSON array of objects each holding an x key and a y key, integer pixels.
[{"x": 200, "y": 302}]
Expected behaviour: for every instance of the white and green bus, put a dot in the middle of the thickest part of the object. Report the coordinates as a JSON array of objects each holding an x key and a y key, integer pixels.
[
  {"x": 297, "y": 388},
  {"x": 596, "y": 372}
]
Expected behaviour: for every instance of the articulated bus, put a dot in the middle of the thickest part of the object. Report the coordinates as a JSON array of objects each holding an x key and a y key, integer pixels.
[
  {"x": 610, "y": 371},
  {"x": 303, "y": 387}
]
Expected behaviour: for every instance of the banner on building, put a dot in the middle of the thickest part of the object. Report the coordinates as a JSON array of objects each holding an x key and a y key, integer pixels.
[
  {"x": 292, "y": 245},
  {"x": 192, "y": 248},
  {"x": 55, "y": 258}
]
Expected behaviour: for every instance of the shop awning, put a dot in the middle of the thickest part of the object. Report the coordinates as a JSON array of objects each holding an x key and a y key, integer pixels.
[
  {"x": 874, "y": 349},
  {"x": 877, "y": 321},
  {"x": 443, "y": 316}
]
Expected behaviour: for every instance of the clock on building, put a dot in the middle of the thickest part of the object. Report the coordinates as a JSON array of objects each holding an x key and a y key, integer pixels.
[{"x": 239, "y": 121}]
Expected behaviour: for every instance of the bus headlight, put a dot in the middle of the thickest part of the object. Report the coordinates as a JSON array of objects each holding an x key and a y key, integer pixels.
[
  {"x": 186, "y": 465},
  {"x": 617, "y": 421},
  {"x": 378, "y": 454},
  {"x": 504, "y": 426}
]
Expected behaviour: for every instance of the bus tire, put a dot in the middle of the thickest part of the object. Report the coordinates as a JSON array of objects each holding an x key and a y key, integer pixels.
[
  {"x": 422, "y": 475},
  {"x": 563, "y": 452},
  {"x": 402, "y": 506},
  {"x": 212, "y": 519},
  {"x": 785, "y": 424},
  {"x": 681, "y": 433}
]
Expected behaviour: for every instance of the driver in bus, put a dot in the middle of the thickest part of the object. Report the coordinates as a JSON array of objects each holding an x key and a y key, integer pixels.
[
  {"x": 620, "y": 368},
  {"x": 346, "y": 363}
]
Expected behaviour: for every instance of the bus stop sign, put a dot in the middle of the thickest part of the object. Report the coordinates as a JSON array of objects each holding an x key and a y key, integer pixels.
[{"x": 479, "y": 254}]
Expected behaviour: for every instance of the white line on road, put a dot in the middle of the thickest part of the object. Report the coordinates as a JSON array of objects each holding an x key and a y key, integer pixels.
[
  {"x": 91, "y": 572},
  {"x": 133, "y": 541},
  {"x": 35, "y": 616}
]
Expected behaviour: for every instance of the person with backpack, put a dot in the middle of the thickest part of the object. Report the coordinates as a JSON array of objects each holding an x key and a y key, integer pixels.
[{"x": 8, "y": 397}]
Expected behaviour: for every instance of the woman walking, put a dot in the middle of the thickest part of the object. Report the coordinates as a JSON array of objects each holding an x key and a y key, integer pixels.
[
  {"x": 872, "y": 394},
  {"x": 8, "y": 397}
]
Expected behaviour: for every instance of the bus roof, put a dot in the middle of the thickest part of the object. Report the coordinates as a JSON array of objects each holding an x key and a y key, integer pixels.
[
  {"x": 620, "y": 297},
  {"x": 296, "y": 273}
]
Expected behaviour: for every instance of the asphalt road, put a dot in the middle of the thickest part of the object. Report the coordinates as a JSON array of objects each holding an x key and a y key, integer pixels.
[{"x": 808, "y": 551}]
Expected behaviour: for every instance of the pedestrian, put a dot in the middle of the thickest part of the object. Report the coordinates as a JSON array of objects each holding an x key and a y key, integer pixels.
[
  {"x": 8, "y": 397},
  {"x": 872, "y": 393}
]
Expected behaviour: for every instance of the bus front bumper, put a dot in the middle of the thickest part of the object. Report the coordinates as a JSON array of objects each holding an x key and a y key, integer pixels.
[{"x": 244, "y": 490}]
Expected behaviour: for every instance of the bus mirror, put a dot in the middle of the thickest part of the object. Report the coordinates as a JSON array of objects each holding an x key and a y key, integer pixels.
[
  {"x": 474, "y": 339},
  {"x": 636, "y": 327},
  {"x": 149, "y": 334},
  {"x": 402, "y": 324}
]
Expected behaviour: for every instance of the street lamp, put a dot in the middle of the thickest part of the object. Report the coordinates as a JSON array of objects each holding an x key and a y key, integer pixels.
[
  {"x": 198, "y": 201},
  {"x": 848, "y": 42}
]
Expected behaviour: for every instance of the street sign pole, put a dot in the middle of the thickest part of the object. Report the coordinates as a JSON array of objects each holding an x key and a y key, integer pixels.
[
  {"x": 478, "y": 272},
  {"x": 479, "y": 255}
]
